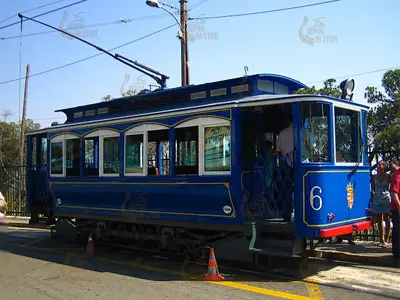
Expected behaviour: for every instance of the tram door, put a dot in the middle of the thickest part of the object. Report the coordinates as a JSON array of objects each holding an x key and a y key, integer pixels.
[
  {"x": 267, "y": 178},
  {"x": 38, "y": 198}
]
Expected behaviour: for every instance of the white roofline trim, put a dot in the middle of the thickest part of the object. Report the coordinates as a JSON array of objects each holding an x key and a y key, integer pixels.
[{"x": 263, "y": 100}]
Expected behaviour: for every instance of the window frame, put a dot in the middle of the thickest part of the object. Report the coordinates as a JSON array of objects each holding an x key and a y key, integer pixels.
[
  {"x": 134, "y": 132},
  {"x": 331, "y": 134},
  {"x": 67, "y": 138},
  {"x": 202, "y": 123},
  {"x": 361, "y": 124},
  {"x": 188, "y": 124},
  {"x": 101, "y": 134},
  {"x": 61, "y": 138},
  {"x": 143, "y": 129}
]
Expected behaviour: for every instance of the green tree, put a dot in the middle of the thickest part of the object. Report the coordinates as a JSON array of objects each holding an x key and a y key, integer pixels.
[
  {"x": 107, "y": 98},
  {"x": 384, "y": 117},
  {"x": 10, "y": 138},
  {"x": 330, "y": 89}
]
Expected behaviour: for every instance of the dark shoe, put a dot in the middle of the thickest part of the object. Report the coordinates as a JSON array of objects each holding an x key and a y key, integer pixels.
[{"x": 352, "y": 243}]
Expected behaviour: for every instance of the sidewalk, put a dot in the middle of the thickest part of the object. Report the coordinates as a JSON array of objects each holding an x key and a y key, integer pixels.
[
  {"x": 368, "y": 253},
  {"x": 21, "y": 222}
]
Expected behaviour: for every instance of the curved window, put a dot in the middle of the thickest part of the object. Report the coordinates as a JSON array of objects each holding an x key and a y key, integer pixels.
[
  {"x": 315, "y": 122},
  {"x": 348, "y": 135},
  {"x": 147, "y": 150},
  {"x": 186, "y": 150},
  {"x": 57, "y": 158},
  {"x": 217, "y": 149},
  {"x": 134, "y": 154},
  {"x": 102, "y": 148}
]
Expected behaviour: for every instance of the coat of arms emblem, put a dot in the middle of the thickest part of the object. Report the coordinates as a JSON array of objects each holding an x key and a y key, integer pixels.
[{"x": 350, "y": 195}]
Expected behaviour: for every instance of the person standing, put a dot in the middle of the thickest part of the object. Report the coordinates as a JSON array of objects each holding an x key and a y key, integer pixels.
[
  {"x": 395, "y": 209},
  {"x": 380, "y": 207}
]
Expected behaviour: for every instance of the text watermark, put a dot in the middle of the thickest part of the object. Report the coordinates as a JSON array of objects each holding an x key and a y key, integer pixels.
[
  {"x": 197, "y": 31},
  {"x": 132, "y": 85},
  {"x": 315, "y": 34},
  {"x": 75, "y": 24}
]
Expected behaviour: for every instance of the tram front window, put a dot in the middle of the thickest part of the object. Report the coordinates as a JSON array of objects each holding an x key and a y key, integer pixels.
[
  {"x": 348, "y": 135},
  {"x": 315, "y": 132}
]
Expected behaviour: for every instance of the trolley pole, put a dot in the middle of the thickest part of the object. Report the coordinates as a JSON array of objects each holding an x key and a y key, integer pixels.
[
  {"x": 21, "y": 150},
  {"x": 184, "y": 44}
]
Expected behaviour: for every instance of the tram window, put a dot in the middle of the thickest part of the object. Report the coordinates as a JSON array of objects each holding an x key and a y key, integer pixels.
[
  {"x": 91, "y": 157},
  {"x": 57, "y": 159},
  {"x": 111, "y": 161},
  {"x": 34, "y": 150},
  {"x": 186, "y": 150},
  {"x": 73, "y": 157},
  {"x": 348, "y": 135},
  {"x": 158, "y": 152},
  {"x": 217, "y": 149},
  {"x": 315, "y": 122},
  {"x": 44, "y": 151},
  {"x": 134, "y": 154}
]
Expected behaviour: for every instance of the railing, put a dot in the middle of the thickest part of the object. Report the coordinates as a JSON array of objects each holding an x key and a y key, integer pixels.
[{"x": 13, "y": 188}]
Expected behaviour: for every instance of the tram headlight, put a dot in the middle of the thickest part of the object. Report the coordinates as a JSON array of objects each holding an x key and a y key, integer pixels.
[{"x": 347, "y": 87}]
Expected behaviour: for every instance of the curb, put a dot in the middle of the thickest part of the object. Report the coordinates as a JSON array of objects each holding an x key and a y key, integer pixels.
[
  {"x": 25, "y": 225},
  {"x": 386, "y": 261}
]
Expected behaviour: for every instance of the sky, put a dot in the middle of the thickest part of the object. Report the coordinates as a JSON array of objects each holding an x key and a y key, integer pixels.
[{"x": 357, "y": 39}]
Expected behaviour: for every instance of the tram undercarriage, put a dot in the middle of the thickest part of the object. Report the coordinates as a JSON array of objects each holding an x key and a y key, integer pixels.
[{"x": 254, "y": 244}]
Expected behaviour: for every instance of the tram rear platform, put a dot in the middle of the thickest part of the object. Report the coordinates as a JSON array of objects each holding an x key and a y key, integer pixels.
[{"x": 363, "y": 252}]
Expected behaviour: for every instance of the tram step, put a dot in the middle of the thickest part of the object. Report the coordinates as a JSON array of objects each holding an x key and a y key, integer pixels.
[
  {"x": 265, "y": 243},
  {"x": 276, "y": 227},
  {"x": 274, "y": 251},
  {"x": 66, "y": 230}
]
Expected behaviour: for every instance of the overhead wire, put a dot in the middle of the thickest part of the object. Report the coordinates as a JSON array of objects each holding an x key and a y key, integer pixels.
[
  {"x": 116, "y": 22},
  {"x": 165, "y": 28},
  {"x": 45, "y": 13},
  {"x": 264, "y": 11},
  {"x": 358, "y": 74},
  {"x": 32, "y": 9},
  {"x": 92, "y": 56}
]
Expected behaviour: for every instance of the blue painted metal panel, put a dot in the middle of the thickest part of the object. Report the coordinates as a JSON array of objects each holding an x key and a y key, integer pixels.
[
  {"x": 189, "y": 201},
  {"x": 330, "y": 191}
]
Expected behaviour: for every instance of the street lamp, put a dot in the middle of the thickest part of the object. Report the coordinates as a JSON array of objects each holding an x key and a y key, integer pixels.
[{"x": 182, "y": 35}]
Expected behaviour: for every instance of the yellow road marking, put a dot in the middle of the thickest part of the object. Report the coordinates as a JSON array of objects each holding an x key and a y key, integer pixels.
[
  {"x": 263, "y": 291},
  {"x": 314, "y": 291},
  {"x": 311, "y": 285},
  {"x": 138, "y": 263}
]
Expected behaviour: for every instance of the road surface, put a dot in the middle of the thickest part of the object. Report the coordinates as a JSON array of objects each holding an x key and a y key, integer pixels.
[{"x": 34, "y": 267}]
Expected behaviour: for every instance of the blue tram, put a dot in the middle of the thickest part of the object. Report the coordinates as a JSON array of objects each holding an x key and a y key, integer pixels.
[{"x": 240, "y": 164}]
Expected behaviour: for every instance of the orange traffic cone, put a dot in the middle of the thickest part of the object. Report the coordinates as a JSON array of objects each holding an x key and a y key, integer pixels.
[
  {"x": 89, "y": 247},
  {"x": 212, "y": 273}
]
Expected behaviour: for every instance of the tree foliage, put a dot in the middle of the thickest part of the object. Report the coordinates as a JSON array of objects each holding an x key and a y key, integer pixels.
[
  {"x": 10, "y": 134},
  {"x": 330, "y": 89},
  {"x": 384, "y": 116}
]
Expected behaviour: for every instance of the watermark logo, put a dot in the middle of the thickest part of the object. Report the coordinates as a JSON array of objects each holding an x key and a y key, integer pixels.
[
  {"x": 197, "y": 31},
  {"x": 75, "y": 24},
  {"x": 315, "y": 34},
  {"x": 132, "y": 86}
]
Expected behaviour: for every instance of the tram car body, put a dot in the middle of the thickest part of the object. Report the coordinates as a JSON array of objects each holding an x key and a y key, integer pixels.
[{"x": 198, "y": 165}]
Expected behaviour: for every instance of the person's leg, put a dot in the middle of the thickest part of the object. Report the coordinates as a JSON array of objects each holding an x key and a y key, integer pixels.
[
  {"x": 395, "y": 235},
  {"x": 386, "y": 219},
  {"x": 379, "y": 220}
]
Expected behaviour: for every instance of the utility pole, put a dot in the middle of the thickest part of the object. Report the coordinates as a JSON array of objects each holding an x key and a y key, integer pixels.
[
  {"x": 21, "y": 151},
  {"x": 184, "y": 44}
]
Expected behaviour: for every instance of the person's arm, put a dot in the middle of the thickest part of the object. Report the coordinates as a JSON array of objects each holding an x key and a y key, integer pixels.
[{"x": 394, "y": 189}]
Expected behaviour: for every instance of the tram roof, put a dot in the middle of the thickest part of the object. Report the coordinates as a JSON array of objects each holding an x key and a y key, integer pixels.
[{"x": 242, "y": 91}]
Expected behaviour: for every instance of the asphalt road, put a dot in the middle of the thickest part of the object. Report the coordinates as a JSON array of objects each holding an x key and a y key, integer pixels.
[{"x": 34, "y": 267}]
